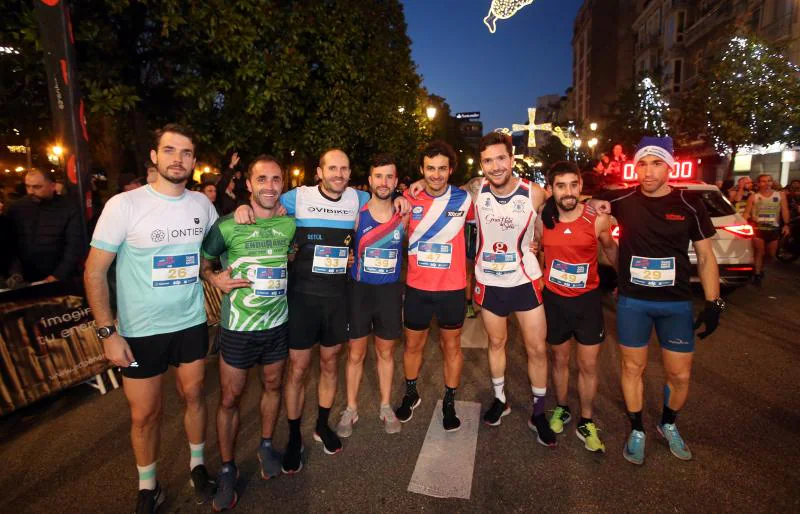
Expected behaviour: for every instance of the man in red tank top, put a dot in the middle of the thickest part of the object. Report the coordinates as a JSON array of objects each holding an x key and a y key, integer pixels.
[{"x": 572, "y": 299}]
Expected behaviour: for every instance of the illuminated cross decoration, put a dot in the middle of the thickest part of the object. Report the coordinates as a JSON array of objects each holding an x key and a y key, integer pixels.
[{"x": 532, "y": 127}]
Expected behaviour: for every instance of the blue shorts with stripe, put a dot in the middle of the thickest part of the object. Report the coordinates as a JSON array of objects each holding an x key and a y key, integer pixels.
[
  {"x": 673, "y": 321},
  {"x": 245, "y": 349}
]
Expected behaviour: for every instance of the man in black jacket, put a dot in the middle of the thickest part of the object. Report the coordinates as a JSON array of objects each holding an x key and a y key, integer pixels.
[{"x": 48, "y": 239}]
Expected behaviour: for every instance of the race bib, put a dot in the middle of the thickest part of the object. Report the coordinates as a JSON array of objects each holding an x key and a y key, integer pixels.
[
  {"x": 382, "y": 261},
  {"x": 567, "y": 274},
  {"x": 330, "y": 260},
  {"x": 653, "y": 272},
  {"x": 434, "y": 255},
  {"x": 270, "y": 282},
  {"x": 499, "y": 263},
  {"x": 175, "y": 270}
]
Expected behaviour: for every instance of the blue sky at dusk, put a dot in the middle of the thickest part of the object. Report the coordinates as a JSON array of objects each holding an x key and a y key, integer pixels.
[{"x": 499, "y": 74}]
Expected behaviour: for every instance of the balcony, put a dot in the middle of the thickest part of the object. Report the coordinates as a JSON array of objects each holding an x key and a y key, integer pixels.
[
  {"x": 714, "y": 17},
  {"x": 648, "y": 41},
  {"x": 778, "y": 30}
]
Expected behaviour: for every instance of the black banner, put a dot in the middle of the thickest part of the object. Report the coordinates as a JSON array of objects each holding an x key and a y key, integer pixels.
[{"x": 66, "y": 103}]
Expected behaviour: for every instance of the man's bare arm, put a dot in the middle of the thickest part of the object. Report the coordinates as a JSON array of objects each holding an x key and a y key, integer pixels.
[
  {"x": 95, "y": 279},
  {"x": 603, "y": 230}
]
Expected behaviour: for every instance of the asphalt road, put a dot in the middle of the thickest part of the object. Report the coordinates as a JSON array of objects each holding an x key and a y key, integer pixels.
[{"x": 72, "y": 453}]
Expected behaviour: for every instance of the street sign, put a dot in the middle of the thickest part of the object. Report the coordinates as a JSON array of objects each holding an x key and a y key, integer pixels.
[{"x": 468, "y": 115}]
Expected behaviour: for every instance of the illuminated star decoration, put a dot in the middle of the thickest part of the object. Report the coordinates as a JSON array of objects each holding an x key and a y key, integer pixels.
[
  {"x": 563, "y": 136},
  {"x": 532, "y": 127},
  {"x": 503, "y": 10}
]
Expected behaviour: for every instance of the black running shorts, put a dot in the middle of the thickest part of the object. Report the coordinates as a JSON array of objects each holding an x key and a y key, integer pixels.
[
  {"x": 245, "y": 349},
  {"x": 317, "y": 319},
  {"x": 580, "y": 317},
  {"x": 375, "y": 308},
  {"x": 502, "y": 301},
  {"x": 420, "y": 306},
  {"x": 154, "y": 354}
]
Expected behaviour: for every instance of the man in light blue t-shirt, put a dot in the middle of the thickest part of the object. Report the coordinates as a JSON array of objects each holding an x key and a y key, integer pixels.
[{"x": 155, "y": 233}]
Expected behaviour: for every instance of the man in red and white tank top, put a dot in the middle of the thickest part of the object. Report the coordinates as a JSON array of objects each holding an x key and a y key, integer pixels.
[
  {"x": 507, "y": 275},
  {"x": 572, "y": 300}
]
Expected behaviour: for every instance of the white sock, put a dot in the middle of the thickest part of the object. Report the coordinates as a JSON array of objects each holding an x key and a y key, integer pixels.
[
  {"x": 499, "y": 385},
  {"x": 147, "y": 476},
  {"x": 196, "y": 452}
]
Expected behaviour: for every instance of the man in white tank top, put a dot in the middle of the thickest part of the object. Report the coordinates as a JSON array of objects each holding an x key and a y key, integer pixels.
[
  {"x": 764, "y": 210},
  {"x": 508, "y": 275}
]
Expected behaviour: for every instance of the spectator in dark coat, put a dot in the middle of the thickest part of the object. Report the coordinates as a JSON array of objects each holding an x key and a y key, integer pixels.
[{"x": 48, "y": 237}]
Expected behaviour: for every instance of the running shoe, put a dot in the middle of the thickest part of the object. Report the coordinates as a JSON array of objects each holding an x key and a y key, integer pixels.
[
  {"x": 149, "y": 500},
  {"x": 390, "y": 422},
  {"x": 544, "y": 435},
  {"x": 406, "y": 410},
  {"x": 634, "y": 448},
  {"x": 494, "y": 416},
  {"x": 270, "y": 461},
  {"x": 292, "y": 460},
  {"x": 587, "y": 432},
  {"x": 226, "y": 497},
  {"x": 345, "y": 426},
  {"x": 331, "y": 444},
  {"x": 450, "y": 421},
  {"x": 669, "y": 432},
  {"x": 560, "y": 417},
  {"x": 471, "y": 311},
  {"x": 203, "y": 485}
]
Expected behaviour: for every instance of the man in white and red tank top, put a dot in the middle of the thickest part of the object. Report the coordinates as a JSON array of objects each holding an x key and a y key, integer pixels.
[
  {"x": 507, "y": 275},
  {"x": 572, "y": 298}
]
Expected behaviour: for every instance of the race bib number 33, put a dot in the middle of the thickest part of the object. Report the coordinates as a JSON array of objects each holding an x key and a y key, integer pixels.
[
  {"x": 653, "y": 272},
  {"x": 175, "y": 270},
  {"x": 568, "y": 275},
  {"x": 434, "y": 255},
  {"x": 330, "y": 260}
]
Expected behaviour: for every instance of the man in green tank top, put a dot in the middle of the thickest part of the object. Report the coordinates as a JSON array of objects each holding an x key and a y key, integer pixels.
[
  {"x": 254, "y": 316},
  {"x": 764, "y": 210}
]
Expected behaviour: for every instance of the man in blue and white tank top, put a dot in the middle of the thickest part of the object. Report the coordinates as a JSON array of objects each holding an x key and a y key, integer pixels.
[
  {"x": 375, "y": 293},
  {"x": 764, "y": 210}
]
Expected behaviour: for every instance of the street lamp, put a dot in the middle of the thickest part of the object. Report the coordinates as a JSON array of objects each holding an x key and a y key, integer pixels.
[
  {"x": 19, "y": 169},
  {"x": 431, "y": 112},
  {"x": 592, "y": 144},
  {"x": 593, "y": 126},
  {"x": 206, "y": 169},
  {"x": 296, "y": 172},
  {"x": 470, "y": 161},
  {"x": 57, "y": 150},
  {"x": 578, "y": 143},
  {"x": 401, "y": 109}
]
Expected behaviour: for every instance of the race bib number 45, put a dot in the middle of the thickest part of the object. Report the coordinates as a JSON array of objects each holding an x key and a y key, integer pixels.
[
  {"x": 434, "y": 255},
  {"x": 381, "y": 261},
  {"x": 568, "y": 275},
  {"x": 270, "y": 282},
  {"x": 330, "y": 260},
  {"x": 175, "y": 270},
  {"x": 653, "y": 272}
]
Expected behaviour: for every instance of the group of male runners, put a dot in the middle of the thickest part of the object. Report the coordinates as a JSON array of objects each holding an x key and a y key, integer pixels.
[{"x": 166, "y": 238}]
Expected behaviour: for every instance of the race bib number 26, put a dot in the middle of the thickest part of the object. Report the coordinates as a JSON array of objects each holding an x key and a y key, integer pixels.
[
  {"x": 175, "y": 270},
  {"x": 653, "y": 272}
]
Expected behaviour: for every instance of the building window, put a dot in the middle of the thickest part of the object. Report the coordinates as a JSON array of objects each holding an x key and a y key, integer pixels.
[
  {"x": 680, "y": 26},
  {"x": 677, "y": 75}
]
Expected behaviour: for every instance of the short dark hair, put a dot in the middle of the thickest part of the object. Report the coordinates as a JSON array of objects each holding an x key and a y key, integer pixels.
[
  {"x": 205, "y": 186},
  {"x": 439, "y": 147},
  {"x": 496, "y": 138},
  {"x": 382, "y": 159},
  {"x": 561, "y": 168},
  {"x": 47, "y": 176},
  {"x": 262, "y": 158},
  {"x": 329, "y": 150},
  {"x": 175, "y": 128}
]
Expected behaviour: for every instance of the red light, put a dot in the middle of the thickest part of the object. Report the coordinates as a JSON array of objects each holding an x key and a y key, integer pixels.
[
  {"x": 684, "y": 170},
  {"x": 742, "y": 268},
  {"x": 615, "y": 232},
  {"x": 745, "y": 231}
]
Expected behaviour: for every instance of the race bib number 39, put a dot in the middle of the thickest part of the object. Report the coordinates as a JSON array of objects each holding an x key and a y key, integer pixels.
[
  {"x": 653, "y": 272},
  {"x": 330, "y": 260},
  {"x": 270, "y": 282},
  {"x": 568, "y": 275},
  {"x": 498, "y": 263},
  {"x": 175, "y": 270},
  {"x": 381, "y": 261},
  {"x": 434, "y": 255}
]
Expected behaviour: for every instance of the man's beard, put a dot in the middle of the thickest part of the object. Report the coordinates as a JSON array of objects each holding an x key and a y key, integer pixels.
[
  {"x": 175, "y": 180},
  {"x": 561, "y": 201}
]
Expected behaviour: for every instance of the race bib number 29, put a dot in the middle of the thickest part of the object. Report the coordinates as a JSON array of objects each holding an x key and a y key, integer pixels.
[
  {"x": 175, "y": 270},
  {"x": 653, "y": 272}
]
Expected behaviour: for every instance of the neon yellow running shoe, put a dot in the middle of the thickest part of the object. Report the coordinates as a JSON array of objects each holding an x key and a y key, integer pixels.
[
  {"x": 587, "y": 432},
  {"x": 561, "y": 416}
]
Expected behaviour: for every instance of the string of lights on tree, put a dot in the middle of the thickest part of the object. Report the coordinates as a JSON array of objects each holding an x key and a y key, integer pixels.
[
  {"x": 652, "y": 108},
  {"x": 753, "y": 97}
]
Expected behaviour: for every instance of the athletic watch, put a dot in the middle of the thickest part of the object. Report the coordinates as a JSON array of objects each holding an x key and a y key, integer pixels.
[
  {"x": 718, "y": 305},
  {"x": 105, "y": 332}
]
